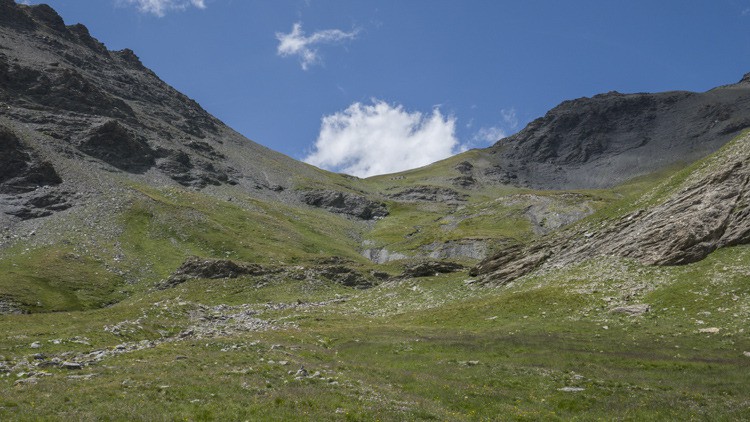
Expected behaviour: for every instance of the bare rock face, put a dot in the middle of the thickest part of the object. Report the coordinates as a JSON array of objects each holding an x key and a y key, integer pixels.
[
  {"x": 345, "y": 203},
  {"x": 710, "y": 213},
  {"x": 511, "y": 262},
  {"x": 193, "y": 171},
  {"x": 711, "y": 210},
  {"x": 114, "y": 144},
  {"x": 57, "y": 89},
  {"x": 20, "y": 170}
]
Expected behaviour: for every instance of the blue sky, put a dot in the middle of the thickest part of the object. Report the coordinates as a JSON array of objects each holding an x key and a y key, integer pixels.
[{"x": 368, "y": 87}]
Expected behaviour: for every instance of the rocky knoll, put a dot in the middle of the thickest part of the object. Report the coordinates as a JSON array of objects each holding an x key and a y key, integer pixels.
[
  {"x": 345, "y": 203},
  {"x": 609, "y": 138},
  {"x": 709, "y": 210},
  {"x": 195, "y": 267}
]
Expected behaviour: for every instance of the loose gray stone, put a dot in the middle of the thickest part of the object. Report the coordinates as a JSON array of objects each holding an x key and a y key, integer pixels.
[
  {"x": 71, "y": 365},
  {"x": 632, "y": 310}
]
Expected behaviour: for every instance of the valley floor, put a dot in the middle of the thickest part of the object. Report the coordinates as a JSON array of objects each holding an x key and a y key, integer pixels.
[{"x": 554, "y": 346}]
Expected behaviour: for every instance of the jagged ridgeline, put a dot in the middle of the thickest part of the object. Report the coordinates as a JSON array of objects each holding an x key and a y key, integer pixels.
[{"x": 156, "y": 264}]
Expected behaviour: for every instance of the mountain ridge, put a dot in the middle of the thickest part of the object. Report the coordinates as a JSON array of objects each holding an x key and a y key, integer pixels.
[{"x": 86, "y": 131}]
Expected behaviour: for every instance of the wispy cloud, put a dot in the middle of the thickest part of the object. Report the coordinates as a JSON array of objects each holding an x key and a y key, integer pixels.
[
  {"x": 489, "y": 135},
  {"x": 161, "y": 7},
  {"x": 296, "y": 43},
  {"x": 378, "y": 138},
  {"x": 509, "y": 118}
]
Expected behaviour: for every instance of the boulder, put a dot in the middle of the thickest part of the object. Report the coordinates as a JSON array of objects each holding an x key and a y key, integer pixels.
[{"x": 632, "y": 310}]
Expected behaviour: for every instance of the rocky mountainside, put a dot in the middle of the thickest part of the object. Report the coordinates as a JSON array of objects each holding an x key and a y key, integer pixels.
[
  {"x": 680, "y": 222},
  {"x": 602, "y": 141},
  {"x": 76, "y": 118},
  {"x": 99, "y": 157}
]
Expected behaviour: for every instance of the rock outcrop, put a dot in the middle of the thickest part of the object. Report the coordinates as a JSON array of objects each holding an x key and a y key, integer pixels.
[
  {"x": 430, "y": 268},
  {"x": 206, "y": 268},
  {"x": 114, "y": 144},
  {"x": 709, "y": 210},
  {"x": 20, "y": 169},
  {"x": 345, "y": 203},
  {"x": 195, "y": 267},
  {"x": 428, "y": 194}
]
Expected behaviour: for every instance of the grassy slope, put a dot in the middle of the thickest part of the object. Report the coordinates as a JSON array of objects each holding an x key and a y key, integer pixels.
[
  {"x": 154, "y": 235},
  {"x": 429, "y": 348}
]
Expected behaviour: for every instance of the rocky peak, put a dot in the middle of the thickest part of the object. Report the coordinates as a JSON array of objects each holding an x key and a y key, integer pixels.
[
  {"x": 12, "y": 14},
  {"x": 48, "y": 17},
  {"x": 609, "y": 138},
  {"x": 130, "y": 57}
]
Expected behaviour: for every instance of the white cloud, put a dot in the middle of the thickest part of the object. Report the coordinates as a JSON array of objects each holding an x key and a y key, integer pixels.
[
  {"x": 296, "y": 43},
  {"x": 490, "y": 135},
  {"x": 366, "y": 140},
  {"x": 510, "y": 120},
  {"x": 161, "y": 7}
]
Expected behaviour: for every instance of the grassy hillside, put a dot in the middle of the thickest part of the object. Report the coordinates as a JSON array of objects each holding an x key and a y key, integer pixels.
[
  {"x": 553, "y": 345},
  {"x": 546, "y": 347}
]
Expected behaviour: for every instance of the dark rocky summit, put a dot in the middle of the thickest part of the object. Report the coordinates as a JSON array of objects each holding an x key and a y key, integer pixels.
[{"x": 604, "y": 140}]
